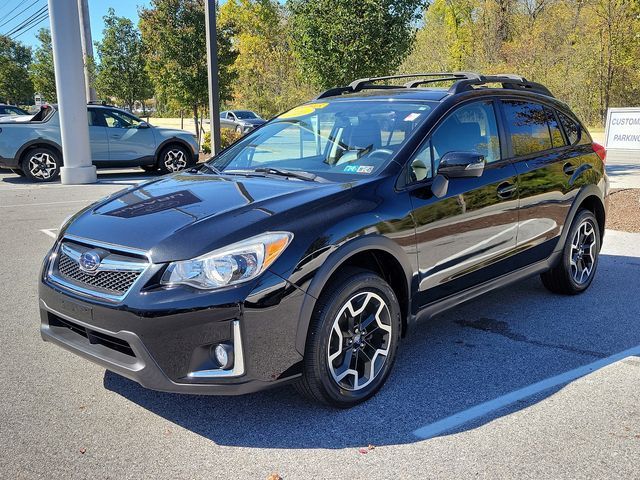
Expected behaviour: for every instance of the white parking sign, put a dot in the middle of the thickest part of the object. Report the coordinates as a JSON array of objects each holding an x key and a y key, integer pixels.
[{"x": 623, "y": 129}]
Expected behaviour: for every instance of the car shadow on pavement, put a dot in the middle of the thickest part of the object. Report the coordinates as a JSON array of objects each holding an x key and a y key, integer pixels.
[{"x": 496, "y": 344}]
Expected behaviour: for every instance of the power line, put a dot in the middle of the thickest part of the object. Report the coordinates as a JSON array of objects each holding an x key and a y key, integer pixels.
[
  {"x": 14, "y": 8},
  {"x": 20, "y": 12},
  {"x": 27, "y": 21},
  {"x": 34, "y": 25}
]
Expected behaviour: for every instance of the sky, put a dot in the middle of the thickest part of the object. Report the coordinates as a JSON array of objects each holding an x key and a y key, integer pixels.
[{"x": 24, "y": 9}]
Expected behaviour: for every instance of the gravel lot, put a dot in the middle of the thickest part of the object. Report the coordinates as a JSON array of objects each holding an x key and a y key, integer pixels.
[
  {"x": 624, "y": 211},
  {"x": 63, "y": 417}
]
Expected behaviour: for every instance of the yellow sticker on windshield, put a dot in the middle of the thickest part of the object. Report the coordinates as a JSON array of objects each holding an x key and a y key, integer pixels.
[{"x": 303, "y": 110}]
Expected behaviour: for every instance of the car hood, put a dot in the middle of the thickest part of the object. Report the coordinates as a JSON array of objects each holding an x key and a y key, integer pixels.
[
  {"x": 189, "y": 214},
  {"x": 170, "y": 132}
]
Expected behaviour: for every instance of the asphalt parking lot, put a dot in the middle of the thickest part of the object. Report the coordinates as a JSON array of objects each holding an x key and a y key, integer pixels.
[{"x": 519, "y": 383}]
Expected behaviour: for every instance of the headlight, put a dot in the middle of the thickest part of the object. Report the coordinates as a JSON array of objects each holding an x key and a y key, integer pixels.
[{"x": 237, "y": 263}]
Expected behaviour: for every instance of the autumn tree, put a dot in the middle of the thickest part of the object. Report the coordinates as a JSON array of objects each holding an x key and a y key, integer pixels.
[
  {"x": 173, "y": 32},
  {"x": 15, "y": 83},
  {"x": 42, "y": 69},
  {"x": 268, "y": 73},
  {"x": 339, "y": 40}
]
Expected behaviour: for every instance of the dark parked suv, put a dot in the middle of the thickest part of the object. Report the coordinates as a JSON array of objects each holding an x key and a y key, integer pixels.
[{"x": 305, "y": 251}]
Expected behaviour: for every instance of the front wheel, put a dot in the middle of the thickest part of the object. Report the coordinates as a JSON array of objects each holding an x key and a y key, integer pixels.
[
  {"x": 580, "y": 254},
  {"x": 352, "y": 341},
  {"x": 174, "y": 158}
]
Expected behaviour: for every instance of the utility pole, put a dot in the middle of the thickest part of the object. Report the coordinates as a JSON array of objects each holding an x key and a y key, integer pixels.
[
  {"x": 87, "y": 47},
  {"x": 70, "y": 86},
  {"x": 212, "y": 62}
]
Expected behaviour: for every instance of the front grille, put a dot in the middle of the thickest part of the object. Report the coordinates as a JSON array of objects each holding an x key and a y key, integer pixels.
[
  {"x": 110, "y": 281},
  {"x": 94, "y": 337},
  {"x": 114, "y": 271}
]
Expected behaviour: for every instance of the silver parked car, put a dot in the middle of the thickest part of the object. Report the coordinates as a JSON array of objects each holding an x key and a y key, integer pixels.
[
  {"x": 118, "y": 139},
  {"x": 242, "y": 121}
]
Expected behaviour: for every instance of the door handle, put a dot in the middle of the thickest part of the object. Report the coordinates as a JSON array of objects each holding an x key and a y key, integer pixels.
[
  {"x": 506, "y": 189},
  {"x": 568, "y": 169}
]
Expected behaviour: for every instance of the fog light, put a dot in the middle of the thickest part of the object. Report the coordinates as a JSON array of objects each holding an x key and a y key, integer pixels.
[{"x": 224, "y": 355}]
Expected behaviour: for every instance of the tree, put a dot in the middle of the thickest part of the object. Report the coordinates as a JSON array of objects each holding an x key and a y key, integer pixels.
[
  {"x": 15, "y": 84},
  {"x": 42, "y": 71},
  {"x": 173, "y": 32},
  {"x": 339, "y": 40},
  {"x": 121, "y": 70},
  {"x": 268, "y": 73}
]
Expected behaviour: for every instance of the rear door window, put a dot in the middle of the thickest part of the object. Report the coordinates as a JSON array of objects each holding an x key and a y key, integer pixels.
[{"x": 529, "y": 127}]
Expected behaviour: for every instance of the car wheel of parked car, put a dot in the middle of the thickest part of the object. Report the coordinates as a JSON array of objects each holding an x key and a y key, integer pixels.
[
  {"x": 239, "y": 130},
  {"x": 41, "y": 164},
  {"x": 174, "y": 158},
  {"x": 352, "y": 340},
  {"x": 577, "y": 268}
]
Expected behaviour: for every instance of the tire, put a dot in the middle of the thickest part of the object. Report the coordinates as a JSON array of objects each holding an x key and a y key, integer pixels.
[
  {"x": 17, "y": 171},
  {"x": 577, "y": 267},
  {"x": 41, "y": 164},
  {"x": 329, "y": 380},
  {"x": 174, "y": 158},
  {"x": 239, "y": 130}
]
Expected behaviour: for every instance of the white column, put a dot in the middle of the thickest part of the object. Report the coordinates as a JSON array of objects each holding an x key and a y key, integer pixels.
[{"x": 70, "y": 86}]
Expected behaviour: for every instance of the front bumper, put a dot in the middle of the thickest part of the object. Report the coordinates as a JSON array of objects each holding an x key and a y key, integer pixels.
[{"x": 169, "y": 349}]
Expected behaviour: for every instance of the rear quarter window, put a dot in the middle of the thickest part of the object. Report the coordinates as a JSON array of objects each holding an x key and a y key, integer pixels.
[{"x": 576, "y": 135}]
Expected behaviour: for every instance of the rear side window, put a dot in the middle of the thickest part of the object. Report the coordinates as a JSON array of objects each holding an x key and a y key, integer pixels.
[
  {"x": 573, "y": 130},
  {"x": 527, "y": 123}
]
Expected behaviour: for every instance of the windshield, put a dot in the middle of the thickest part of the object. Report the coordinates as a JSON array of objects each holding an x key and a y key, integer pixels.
[
  {"x": 245, "y": 114},
  {"x": 357, "y": 137}
]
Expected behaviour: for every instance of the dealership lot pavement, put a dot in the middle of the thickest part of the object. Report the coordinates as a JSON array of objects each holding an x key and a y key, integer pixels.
[{"x": 451, "y": 409}]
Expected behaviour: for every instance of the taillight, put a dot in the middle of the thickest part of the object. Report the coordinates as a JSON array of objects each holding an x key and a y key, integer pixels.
[{"x": 600, "y": 151}]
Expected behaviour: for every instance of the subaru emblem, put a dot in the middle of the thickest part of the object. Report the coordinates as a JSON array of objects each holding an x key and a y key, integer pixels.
[{"x": 89, "y": 261}]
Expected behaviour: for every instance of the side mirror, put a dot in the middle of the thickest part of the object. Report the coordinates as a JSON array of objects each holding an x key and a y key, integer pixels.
[
  {"x": 461, "y": 165},
  {"x": 143, "y": 125}
]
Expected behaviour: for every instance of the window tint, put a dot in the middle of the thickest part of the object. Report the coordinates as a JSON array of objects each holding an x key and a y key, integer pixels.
[
  {"x": 556, "y": 133},
  {"x": 528, "y": 125},
  {"x": 571, "y": 128},
  {"x": 470, "y": 128}
]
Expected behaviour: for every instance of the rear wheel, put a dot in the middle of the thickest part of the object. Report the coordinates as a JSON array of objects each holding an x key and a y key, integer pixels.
[
  {"x": 41, "y": 164},
  {"x": 174, "y": 158},
  {"x": 352, "y": 341},
  {"x": 579, "y": 261}
]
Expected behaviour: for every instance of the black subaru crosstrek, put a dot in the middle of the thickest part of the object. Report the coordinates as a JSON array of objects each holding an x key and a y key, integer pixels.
[{"x": 305, "y": 251}]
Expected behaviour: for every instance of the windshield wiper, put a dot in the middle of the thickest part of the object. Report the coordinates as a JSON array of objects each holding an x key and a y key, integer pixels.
[{"x": 300, "y": 175}]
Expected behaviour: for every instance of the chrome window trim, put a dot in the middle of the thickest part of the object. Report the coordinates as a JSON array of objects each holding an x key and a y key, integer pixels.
[
  {"x": 94, "y": 294},
  {"x": 238, "y": 360}
]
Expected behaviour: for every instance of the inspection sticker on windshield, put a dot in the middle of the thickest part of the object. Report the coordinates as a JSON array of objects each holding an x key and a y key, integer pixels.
[
  {"x": 411, "y": 117},
  {"x": 303, "y": 110},
  {"x": 363, "y": 169}
]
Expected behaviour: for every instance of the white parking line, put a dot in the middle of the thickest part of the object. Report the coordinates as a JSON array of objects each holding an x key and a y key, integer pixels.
[
  {"x": 50, "y": 232},
  {"x": 473, "y": 413}
]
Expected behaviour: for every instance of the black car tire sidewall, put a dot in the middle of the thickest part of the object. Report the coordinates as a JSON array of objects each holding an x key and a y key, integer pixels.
[
  {"x": 161, "y": 166},
  {"x": 24, "y": 164},
  {"x": 359, "y": 283},
  {"x": 579, "y": 220}
]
